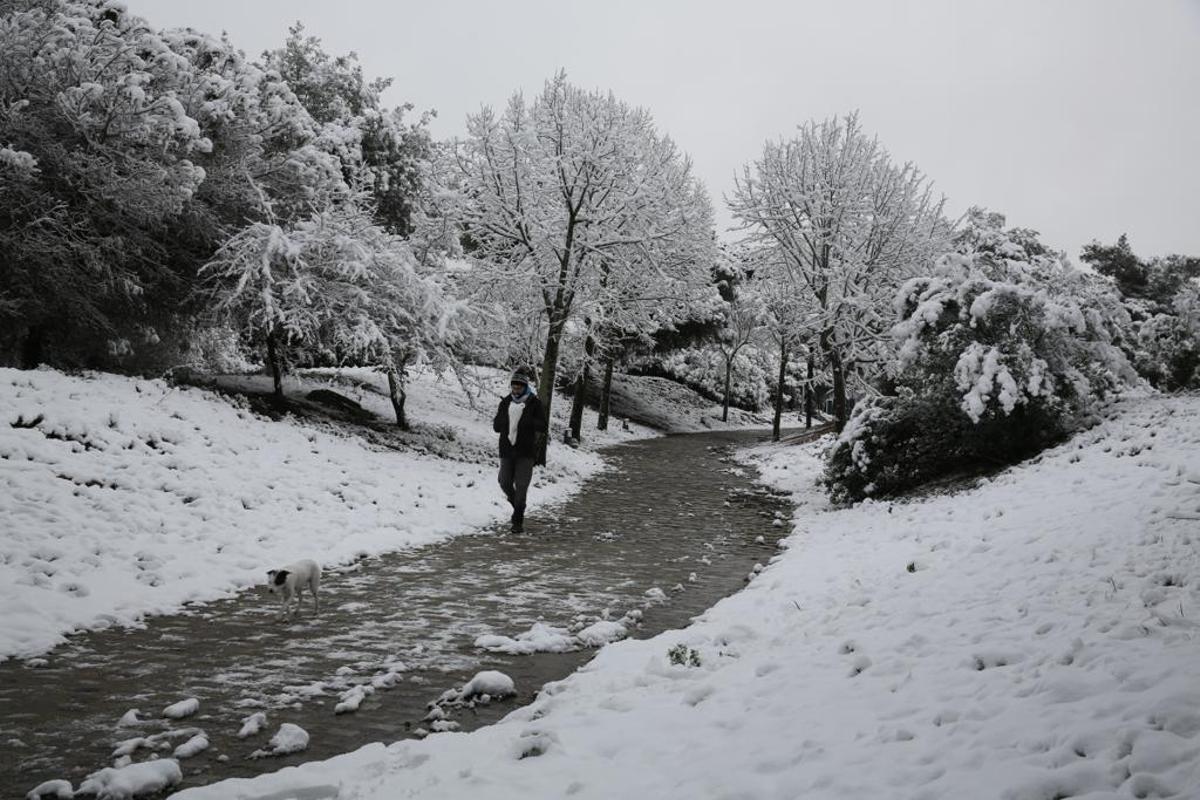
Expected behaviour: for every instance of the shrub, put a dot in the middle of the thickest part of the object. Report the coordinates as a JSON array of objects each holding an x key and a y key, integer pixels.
[
  {"x": 1003, "y": 351},
  {"x": 683, "y": 656},
  {"x": 1168, "y": 345}
]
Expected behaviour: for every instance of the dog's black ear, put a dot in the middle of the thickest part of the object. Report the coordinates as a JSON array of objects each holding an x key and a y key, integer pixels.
[{"x": 280, "y": 577}]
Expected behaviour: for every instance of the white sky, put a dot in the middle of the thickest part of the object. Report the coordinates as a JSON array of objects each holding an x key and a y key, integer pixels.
[{"x": 1080, "y": 118}]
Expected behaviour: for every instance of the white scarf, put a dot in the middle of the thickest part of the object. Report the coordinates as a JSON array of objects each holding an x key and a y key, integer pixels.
[{"x": 515, "y": 410}]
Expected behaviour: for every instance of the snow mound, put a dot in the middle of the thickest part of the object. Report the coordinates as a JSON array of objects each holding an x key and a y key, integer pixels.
[
  {"x": 184, "y": 708},
  {"x": 540, "y": 638},
  {"x": 127, "y": 782},
  {"x": 490, "y": 682},
  {"x": 57, "y": 789},
  {"x": 602, "y": 632},
  {"x": 253, "y": 725},
  {"x": 655, "y": 595},
  {"x": 288, "y": 739},
  {"x": 352, "y": 698},
  {"x": 129, "y": 718},
  {"x": 192, "y": 747}
]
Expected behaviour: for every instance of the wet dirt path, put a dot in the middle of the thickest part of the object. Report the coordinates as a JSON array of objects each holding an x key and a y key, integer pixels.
[{"x": 673, "y": 506}]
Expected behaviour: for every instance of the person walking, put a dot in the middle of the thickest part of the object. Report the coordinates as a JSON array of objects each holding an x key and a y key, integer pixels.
[{"x": 519, "y": 420}]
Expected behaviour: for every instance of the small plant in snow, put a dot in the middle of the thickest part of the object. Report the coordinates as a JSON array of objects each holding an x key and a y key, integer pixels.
[{"x": 683, "y": 656}]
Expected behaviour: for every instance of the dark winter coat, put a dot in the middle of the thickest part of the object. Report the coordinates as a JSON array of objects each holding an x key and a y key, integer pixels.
[{"x": 533, "y": 422}]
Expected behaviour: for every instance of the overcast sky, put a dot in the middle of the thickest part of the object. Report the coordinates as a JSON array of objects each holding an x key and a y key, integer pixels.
[{"x": 1080, "y": 118}]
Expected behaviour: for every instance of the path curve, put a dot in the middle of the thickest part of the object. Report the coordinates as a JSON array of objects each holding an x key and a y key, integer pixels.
[{"x": 676, "y": 514}]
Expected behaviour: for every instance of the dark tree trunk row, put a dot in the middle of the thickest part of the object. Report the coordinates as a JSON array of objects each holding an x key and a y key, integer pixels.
[
  {"x": 274, "y": 360},
  {"x": 809, "y": 401},
  {"x": 399, "y": 398},
  {"x": 581, "y": 388},
  {"x": 606, "y": 395},
  {"x": 783, "y": 355}
]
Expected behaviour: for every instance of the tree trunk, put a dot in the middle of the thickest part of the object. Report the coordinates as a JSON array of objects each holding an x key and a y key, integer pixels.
[
  {"x": 276, "y": 368},
  {"x": 779, "y": 389},
  {"x": 809, "y": 403},
  {"x": 546, "y": 384},
  {"x": 398, "y": 397},
  {"x": 837, "y": 373},
  {"x": 581, "y": 389},
  {"x": 606, "y": 395},
  {"x": 33, "y": 347},
  {"x": 728, "y": 375},
  {"x": 840, "y": 409}
]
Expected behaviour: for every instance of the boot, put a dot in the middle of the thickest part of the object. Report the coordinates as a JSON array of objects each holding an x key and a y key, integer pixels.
[{"x": 518, "y": 520}]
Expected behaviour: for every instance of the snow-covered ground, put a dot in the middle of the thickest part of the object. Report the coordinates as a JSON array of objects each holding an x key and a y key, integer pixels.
[
  {"x": 1032, "y": 638},
  {"x": 122, "y": 497}
]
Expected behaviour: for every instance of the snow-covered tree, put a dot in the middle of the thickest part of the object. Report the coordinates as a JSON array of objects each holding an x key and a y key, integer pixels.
[
  {"x": 568, "y": 186},
  {"x": 379, "y": 151},
  {"x": 848, "y": 225},
  {"x": 336, "y": 284},
  {"x": 744, "y": 315},
  {"x": 100, "y": 157},
  {"x": 1168, "y": 343}
]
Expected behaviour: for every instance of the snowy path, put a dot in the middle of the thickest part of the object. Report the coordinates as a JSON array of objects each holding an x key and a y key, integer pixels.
[
  {"x": 1033, "y": 637},
  {"x": 673, "y": 507}
]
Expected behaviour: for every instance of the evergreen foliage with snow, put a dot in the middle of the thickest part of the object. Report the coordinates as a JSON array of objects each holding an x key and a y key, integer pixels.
[
  {"x": 1163, "y": 299},
  {"x": 130, "y": 156},
  {"x": 1002, "y": 351}
]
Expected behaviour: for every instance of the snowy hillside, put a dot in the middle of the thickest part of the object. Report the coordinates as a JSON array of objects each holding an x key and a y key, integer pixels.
[
  {"x": 121, "y": 497},
  {"x": 1035, "y": 637}
]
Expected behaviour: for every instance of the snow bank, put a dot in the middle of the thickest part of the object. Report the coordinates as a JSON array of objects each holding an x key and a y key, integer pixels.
[
  {"x": 124, "y": 497},
  {"x": 1043, "y": 643},
  {"x": 133, "y": 780}
]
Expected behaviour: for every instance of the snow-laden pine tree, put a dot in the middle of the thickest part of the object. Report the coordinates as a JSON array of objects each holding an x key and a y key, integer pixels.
[
  {"x": 102, "y": 159},
  {"x": 1002, "y": 350},
  {"x": 570, "y": 185},
  {"x": 848, "y": 225}
]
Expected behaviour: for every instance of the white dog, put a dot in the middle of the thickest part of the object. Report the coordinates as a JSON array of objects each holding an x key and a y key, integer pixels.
[{"x": 291, "y": 581}]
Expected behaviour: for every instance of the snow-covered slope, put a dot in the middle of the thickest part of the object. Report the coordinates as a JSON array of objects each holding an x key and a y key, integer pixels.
[
  {"x": 671, "y": 406},
  {"x": 1033, "y": 638},
  {"x": 121, "y": 497}
]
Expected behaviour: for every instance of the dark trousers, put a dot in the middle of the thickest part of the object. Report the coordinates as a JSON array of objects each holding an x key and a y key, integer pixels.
[{"x": 515, "y": 474}]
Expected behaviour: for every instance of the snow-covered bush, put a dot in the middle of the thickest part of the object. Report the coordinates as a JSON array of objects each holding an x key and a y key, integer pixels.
[
  {"x": 1002, "y": 351},
  {"x": 703, "y": 369},
  {"x": 1168, "y": 345}
]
